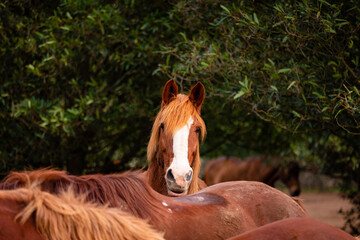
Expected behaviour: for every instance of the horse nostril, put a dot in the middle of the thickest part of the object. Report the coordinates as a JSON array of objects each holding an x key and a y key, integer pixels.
[
  {"x": 170, "y": 175},
  {"x": 188, "y": 176}
]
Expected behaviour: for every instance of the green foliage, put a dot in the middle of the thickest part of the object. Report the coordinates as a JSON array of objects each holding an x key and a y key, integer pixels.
[
  {"x": 299, "y": 61},
  {"x": 77, "y": 85},
  {"x": 293, "y": 64},
  {"x": 81, "y": 80}
]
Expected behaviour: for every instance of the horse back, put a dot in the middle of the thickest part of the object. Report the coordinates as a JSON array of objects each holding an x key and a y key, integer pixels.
[
  {"x": 221, "y": 169},
  {"x": 224, "y": 169}
]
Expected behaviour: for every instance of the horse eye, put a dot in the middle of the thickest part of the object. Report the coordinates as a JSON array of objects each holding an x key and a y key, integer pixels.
[
  {"x": 162, "y": 126},
  {"x": 198, "y": 129}
]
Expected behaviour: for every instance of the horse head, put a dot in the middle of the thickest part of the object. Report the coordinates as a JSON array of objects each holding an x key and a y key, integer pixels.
[
  {"x": 290, "y": 177},
  {"x": 174, "y": 142}
]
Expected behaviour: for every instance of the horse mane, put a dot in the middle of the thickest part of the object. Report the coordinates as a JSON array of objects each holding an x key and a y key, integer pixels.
[
  {"x": 116, "y": 190},
  {"x": 174, "y": 116},
  {"x": 69, "y": 216}
]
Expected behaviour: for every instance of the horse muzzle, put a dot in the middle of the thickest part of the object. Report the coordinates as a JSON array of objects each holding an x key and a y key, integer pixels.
[
  {"x": 295, "y": 192},
  {"x": 178, "y": 185}
]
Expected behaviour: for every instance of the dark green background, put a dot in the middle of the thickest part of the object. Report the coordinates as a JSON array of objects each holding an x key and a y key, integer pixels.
[{"x": 81, "y": 81}]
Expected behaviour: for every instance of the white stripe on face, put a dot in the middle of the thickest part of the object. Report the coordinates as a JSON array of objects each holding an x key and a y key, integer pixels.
[{"x": 180, "y": 164}]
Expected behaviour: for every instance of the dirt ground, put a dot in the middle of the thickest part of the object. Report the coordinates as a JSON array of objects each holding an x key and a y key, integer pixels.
[{"x": 325, "y": 206}]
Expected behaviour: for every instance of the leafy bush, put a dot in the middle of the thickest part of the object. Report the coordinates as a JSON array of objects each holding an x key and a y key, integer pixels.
[
  {"x": 81, "y": 81},
  {"x": 78, "y": 90}
]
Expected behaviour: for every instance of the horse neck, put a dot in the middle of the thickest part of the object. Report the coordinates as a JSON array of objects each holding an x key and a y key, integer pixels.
[
  {"x": 271, "y": 175},
  {"x": 155, "y": 176}
]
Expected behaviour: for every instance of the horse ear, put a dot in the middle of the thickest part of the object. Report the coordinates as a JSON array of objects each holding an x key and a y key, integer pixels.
[
  {"x": 170, "y": 92},
  {"x": 197, "y": 95}
]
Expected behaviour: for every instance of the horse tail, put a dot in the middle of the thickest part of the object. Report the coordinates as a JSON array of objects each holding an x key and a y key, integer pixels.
[
  {"x": 300, "y": 202},
  {"x": 66, "y": 216}
]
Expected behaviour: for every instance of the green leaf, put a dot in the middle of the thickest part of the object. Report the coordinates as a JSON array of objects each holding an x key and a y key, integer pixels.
[
  {"x": 271, "y": 61},
  {"x": 339, "y": 112},
  {"x": 168, "y": 60},
  {"x": 356, "y": 90},
  {"x": 239, "y": 94},
  {"x": 69, "y": 15},
  {"x": 204, "y": 64},
  {"x": 324, "y": 109},
  {"x": 296, "y": 113},
  {"x": 274, "y": 87},
  {"x": 256, "y": 19},
  {"x": 31, "y": 67},
  {"x": 184, "y": 36},
  {"x": 226, "y": 10},
  {"x": 47, "y": 43},
  {"x": 319, "y": 95},
  {"x": 291, "y": 84},
  {"x": 66, "y": 28},
  {"x": 351, "y": 43},
  {"x": 285, "y": 39},
  {"x": 48, "y": 58},
  {"x": 284, "y": 70},
  {"x": 297, "y": 126},
  {"x": 337, "y": 75}
]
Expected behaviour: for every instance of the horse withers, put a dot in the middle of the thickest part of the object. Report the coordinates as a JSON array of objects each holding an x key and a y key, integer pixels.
[
  {"x": 255, "y": 168},
  {"x": 173, "y": 150}
]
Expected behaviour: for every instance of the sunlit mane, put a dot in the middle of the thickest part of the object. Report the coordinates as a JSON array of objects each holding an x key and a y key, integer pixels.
[
  {"x": 66, "y": 216},
  {"x": 113, "y": 189},
  {"x": 174, "y": 116}
]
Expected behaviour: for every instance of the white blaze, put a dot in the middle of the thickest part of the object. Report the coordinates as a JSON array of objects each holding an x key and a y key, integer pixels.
[{"x": 180, "y": 164}]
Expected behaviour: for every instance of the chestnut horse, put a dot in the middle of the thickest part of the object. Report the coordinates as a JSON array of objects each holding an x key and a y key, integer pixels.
[
  {"x": 253, "y": 168},
  {"x": 173, "y": 149},
  {"x": 295, "y": 228},
  {"x": 32, "y": 214},
  {"x": 216, "y": 212}
]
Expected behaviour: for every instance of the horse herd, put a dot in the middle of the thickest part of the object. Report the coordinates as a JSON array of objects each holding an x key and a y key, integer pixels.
[{"x": 168, "y": 200}]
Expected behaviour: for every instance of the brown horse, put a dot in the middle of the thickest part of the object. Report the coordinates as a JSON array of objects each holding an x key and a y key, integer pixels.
[
  {"x": 32, "y": 214},
  {"x": 216, "y": 212},
  {"x": 253, "y": 168},
  {"x": 295, "y": 228},
  {"x": 173, "y": 149}
]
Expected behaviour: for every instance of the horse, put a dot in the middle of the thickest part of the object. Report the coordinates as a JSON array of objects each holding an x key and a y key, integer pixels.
[
  {"x": 32, "y": 214},
  {"x": 295, "y": 228},
  {"x": 216, "y": 212},
  {"x": 173, "y": 149},
  {"x": 254, "y": 168}
]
